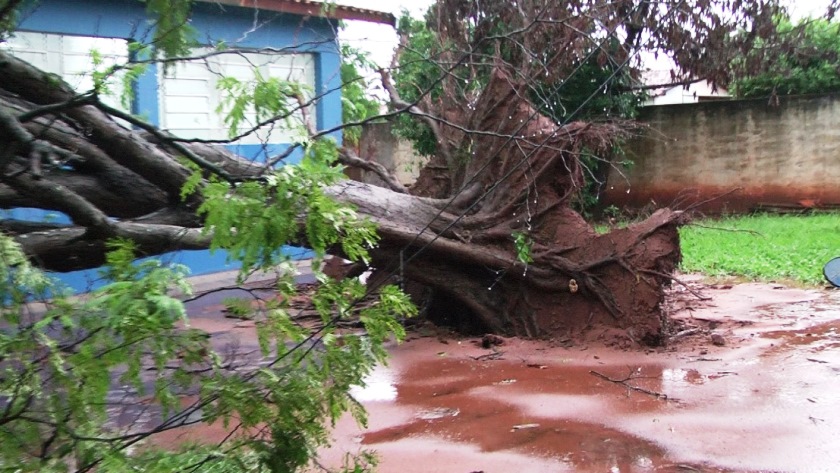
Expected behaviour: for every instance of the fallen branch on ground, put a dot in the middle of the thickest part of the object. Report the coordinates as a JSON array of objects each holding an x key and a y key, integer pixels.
[{"x": 624, "y": 382}]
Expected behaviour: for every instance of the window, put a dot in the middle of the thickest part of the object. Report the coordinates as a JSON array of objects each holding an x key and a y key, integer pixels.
[
  {"x": 71, "y": 58},
  {"x": 190, "y": 96}
]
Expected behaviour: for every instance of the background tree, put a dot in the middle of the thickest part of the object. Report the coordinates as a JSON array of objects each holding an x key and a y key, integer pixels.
[
  {"x": 597, "y": 90},
  {"x": 803, "y": 58}
]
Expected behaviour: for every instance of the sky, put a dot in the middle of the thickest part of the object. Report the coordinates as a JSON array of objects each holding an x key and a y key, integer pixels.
[
  {"x": 379, "y": 40},
  {"x": 802, "y": 8}
]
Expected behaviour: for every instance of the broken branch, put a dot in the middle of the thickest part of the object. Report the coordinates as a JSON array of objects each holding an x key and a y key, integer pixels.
[{"x": 627, "y": 385}]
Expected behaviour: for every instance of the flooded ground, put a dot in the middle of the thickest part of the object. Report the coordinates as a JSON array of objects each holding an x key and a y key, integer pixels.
[
  {"x": 749, "y": 383},
  {"x": 752, "y": 383}
]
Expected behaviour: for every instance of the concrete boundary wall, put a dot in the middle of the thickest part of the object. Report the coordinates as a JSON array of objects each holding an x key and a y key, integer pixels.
[
  {"x": 785, "y": 155},
  {"x": 378, "y": 143}
]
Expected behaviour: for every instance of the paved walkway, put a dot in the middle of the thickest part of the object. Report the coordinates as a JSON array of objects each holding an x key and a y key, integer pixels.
[{"x": 208, "y": 282}]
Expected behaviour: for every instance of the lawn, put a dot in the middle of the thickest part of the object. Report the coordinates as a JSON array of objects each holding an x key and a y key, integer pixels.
[{"x": 763, "y": 247}]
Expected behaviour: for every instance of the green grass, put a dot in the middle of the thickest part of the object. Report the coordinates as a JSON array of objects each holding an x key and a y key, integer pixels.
[{"x": 763, "y": 247}]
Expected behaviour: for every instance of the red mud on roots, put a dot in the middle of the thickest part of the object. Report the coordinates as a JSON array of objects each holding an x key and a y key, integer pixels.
[{"x": 749, "y": 384}]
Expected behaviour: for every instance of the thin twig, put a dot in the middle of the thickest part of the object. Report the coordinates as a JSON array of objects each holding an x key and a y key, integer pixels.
[
  {"x": 685, "y": 333},
  {"x": 733, "y": 230},
  {"x": 712, "y": 199},
  {"x": 678, "y": 281},
  {"x": 624, "y": 383}
]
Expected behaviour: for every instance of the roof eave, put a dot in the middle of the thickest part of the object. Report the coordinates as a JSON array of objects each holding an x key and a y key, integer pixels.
[{"x": 316, "y": 9}]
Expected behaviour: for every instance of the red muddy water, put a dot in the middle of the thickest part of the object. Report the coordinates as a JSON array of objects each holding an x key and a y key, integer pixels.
[
  {"x": 766, "y": 400},
  {"x": 751, "y": 383}
]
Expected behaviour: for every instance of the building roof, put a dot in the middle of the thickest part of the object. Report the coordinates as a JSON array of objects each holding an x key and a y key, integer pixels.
[{"x": 314, "y": 8}]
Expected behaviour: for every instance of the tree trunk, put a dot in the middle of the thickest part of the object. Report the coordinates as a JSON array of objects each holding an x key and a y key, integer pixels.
[
  {"x": 66, "y": 153},
  {"x": 576, "y": 279}
]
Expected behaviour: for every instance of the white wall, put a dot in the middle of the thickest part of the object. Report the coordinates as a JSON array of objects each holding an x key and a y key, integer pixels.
[
  {"x": 190, "y": 95},
  {"x": 72, "y": 58},
  {"x": 679, "y": 94}
]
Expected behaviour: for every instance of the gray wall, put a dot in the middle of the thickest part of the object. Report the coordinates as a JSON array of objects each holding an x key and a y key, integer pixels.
[
  {"x": 785, "y": 155},
  {"x": 378, "y": 143}
]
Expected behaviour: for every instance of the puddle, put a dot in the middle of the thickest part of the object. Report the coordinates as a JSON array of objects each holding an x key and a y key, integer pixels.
[
  {"x": 379, "y": 386},
  {"x": 508, "y": 406},
  {"x": 437, "y": 413}
]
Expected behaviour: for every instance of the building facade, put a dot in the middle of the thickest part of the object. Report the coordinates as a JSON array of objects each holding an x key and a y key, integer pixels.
[{"x": 289, "y": 39}]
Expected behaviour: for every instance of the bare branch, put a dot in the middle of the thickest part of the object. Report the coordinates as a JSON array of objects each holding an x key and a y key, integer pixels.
[
  {"x": 432, "y": 122},
  {"x": 348, "y": 157}
]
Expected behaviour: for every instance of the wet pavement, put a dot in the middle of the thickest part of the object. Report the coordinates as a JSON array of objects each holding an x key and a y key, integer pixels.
[{"x": 762, "y": 395}]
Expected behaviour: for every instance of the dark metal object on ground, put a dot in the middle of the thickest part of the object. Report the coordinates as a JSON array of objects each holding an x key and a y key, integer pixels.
[{"x": 831, "y": 271}]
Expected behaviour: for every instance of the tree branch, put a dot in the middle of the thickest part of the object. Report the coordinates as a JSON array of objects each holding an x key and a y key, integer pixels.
[
  {"x": 120, "y": 144},
  {"x": 169, "y": 140},
  {"x": 60, "y": 198},
  {"x": 659, "y": 86},
  {"x": 397, "y": 102},
  {"x": 348, "y": 157}
]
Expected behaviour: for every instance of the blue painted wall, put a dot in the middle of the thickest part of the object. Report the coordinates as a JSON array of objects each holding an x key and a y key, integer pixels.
[{"x": 235, "y": 26}]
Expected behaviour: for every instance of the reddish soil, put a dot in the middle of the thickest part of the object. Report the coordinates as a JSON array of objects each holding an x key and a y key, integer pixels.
[{"x": 750, "y": 384}]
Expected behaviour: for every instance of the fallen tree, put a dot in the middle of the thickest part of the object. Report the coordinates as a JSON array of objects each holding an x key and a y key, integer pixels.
[
  {"x": 462, "y": 248},
  {"x": 488, "y": 228}
]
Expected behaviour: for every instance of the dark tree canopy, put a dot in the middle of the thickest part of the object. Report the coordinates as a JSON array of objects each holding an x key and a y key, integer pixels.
[{"x": 801, "y": 58}]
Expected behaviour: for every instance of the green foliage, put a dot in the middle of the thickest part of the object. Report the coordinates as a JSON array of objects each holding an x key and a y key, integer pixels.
[
  {"x": 195, "y": 181},
  {"x": 59, "y": 364},
  {"x": 417, "y": 74},
  {"x": 356, "y": 105},
  {"x": 319, "y": 388},
  {"x": 58, "y": 361},
  {"x": 237, "y": 308},
  {"x": 130, "y": 76},
  {"x": 595, "y": 91},
  {"x": 263, "y": 98},
  {"x": 173, "y": 36},
  {"x": 762, "y": 247},
  {"x": 7, "y": 23},
  {"x": 612, "y": 211},
  {"x": 254, "y": 232},
  {"x": 522, "y": 244},
  {"x": 253, "y": 221},
  {"x": 806, "y": 64}
]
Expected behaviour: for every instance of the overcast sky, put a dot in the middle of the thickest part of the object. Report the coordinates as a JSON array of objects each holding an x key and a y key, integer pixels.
[
  {"x": 802, "y": 8},
  {"x": 379, "y": 40}
]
